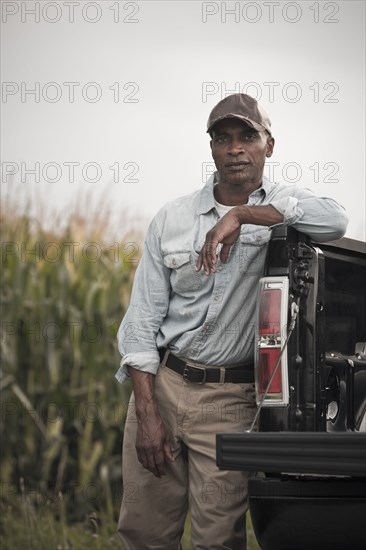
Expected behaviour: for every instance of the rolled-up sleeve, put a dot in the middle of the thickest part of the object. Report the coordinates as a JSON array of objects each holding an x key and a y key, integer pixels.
[
  {"x": 148, "y": 306},
  {"x": 322, "y": 218}
]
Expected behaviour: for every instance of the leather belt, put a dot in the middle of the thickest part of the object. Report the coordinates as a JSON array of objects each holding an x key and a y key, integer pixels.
[{"x": 243, "y": 374}]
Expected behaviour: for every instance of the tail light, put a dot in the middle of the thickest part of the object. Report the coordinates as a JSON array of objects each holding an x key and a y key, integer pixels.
[{"x": 272, "y": 330}]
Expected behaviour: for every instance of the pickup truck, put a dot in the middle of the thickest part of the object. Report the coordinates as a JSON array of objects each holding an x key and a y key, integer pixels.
[{"x": 309, "y": 451}]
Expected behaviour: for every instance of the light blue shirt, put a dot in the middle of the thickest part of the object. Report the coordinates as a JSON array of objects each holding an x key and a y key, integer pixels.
[{"x": 209, "y": 319}]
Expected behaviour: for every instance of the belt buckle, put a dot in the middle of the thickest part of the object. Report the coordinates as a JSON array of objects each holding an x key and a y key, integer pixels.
[{"x": 186, "y": 372}]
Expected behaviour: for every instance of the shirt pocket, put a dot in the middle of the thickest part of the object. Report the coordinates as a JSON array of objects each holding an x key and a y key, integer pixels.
[
  {"x": 184, "y": 277},
  {"x": 253, "y": 244}
]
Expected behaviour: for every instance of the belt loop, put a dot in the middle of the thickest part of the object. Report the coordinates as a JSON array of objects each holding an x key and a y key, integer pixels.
[
  {"x": 222, "y": 375},
  {"x": 165, "y": 358}
]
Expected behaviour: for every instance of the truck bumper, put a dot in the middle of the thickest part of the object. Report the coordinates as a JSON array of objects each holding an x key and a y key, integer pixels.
[
  {"x": 299, "y": 452},
  {"x": 304, "y": 514},
  {"x": 307, "y": 507}
]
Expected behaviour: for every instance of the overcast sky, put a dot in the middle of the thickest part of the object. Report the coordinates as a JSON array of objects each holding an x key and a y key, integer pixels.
[{"x": 122, "y": 92}]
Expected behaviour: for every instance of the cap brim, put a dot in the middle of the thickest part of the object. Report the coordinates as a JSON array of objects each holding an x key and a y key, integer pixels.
[{"x": 248, "y": 121}]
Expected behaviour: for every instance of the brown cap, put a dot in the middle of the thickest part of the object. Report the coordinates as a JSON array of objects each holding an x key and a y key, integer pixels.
[{"x": 241, "y": 106}]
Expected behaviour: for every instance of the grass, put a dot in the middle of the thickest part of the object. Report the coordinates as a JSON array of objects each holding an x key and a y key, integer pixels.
[
  {"x": 251, "y": 540},
  {"x": 24, "y": 527},
  {"x": 42, "y": 530}
]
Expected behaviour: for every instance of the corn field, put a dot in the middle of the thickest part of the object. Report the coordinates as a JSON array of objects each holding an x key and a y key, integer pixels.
[{"x": 63, "y": 295}]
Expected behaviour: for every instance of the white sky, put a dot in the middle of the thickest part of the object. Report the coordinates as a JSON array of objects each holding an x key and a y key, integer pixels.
[{"x": 306, "y": 60}]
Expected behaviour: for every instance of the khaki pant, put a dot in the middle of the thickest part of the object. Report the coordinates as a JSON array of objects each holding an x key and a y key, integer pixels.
[{"x": 153, "y": 510}]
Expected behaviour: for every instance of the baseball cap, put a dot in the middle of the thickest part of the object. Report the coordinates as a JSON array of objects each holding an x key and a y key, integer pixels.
[{"x": 241, "y": 106}]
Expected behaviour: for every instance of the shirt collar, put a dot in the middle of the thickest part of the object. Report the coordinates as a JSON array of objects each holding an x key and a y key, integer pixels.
[{"x": 207, "y": 199}]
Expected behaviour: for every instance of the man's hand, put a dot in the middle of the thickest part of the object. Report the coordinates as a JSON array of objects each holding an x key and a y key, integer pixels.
[
  {"x": 153, "y": 444},
  {"x": 227, "y": 232}
]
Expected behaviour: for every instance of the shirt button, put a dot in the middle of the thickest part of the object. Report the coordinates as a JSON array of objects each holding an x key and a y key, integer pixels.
[
  {"x": 220, "y": 268},
  {"x": 216, "y": 297},
  {"x": 174, "y": 262}
]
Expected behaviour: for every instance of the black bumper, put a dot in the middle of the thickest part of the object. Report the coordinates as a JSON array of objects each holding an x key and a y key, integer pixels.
[
  {"x": 293, "y": 452},
  {"x": 304, "y": 512},
  {"x": 308, "y": 514}
]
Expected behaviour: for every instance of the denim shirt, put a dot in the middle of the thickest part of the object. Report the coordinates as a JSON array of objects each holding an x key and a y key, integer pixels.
[{"x": 209, "y": 319}]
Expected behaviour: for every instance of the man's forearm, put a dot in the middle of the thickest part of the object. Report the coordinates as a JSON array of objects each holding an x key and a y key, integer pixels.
[
  {"x": 258, "y": 215},
  {"x": 227, "y": 231},
  {"x": 143, "y": 387},
  {"x": 153, "y": 443}
]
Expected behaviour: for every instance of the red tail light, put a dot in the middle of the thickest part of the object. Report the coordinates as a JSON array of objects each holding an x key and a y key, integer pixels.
[
  {"x": 270, "y": 311},
  {"x": 267, "y": 361},
  {"x": 272, "y": 328}
]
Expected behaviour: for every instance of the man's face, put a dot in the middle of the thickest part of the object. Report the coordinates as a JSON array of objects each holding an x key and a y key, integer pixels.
[{"x": 240, "y": 152}]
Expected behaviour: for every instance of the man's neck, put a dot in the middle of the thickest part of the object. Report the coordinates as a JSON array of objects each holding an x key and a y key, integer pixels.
[{"x": 234, "y": 195}]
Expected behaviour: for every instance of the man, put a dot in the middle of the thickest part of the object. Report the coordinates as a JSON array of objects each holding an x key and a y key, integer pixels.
[{"x": 187, "y": 338}]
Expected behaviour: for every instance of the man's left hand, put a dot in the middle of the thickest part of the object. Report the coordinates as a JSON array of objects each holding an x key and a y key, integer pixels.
[{"x": 226, "y": 232}]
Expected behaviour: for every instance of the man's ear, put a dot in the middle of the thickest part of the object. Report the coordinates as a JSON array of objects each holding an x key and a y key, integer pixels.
[{"x": 270, "y": 146}]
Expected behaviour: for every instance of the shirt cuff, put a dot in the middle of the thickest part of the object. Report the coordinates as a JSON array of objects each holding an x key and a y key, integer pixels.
[
  {"x": 289, "y": 209},
  {"x": 145, "y": 361}
]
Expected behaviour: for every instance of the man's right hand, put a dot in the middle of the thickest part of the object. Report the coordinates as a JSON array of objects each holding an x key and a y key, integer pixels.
[{"x": 153, "y": 443}]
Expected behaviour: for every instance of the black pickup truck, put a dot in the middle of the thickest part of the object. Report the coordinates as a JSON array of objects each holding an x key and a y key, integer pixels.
[{"x": 309, "y": 453}]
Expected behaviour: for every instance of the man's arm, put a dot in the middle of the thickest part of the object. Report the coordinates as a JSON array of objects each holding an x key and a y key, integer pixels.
[
  {"x": 227, "y": 232},
  {"x": 153, "y": 444},
  {"x": 137, "y": 345},
  {"x": 149, "y": 303},
  {"x": 321, "y": 218}
]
